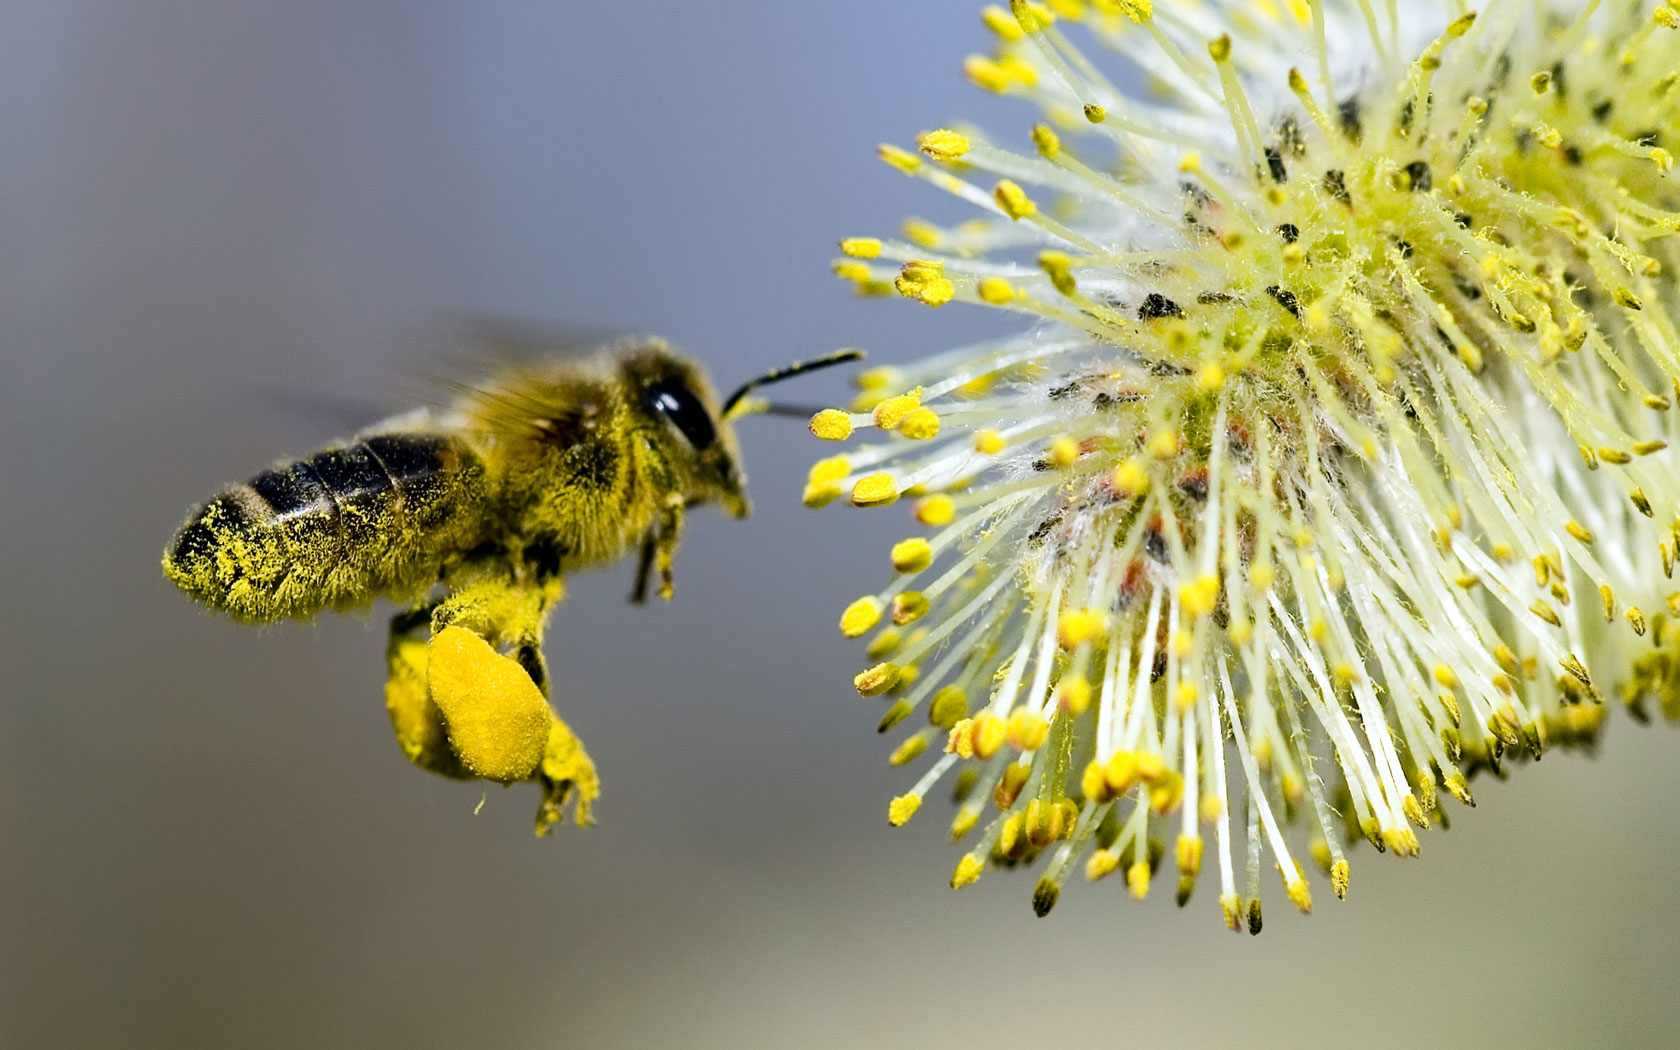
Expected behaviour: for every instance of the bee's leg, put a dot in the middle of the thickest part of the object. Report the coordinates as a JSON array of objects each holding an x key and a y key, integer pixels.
[
  {"x": 644, "y": 569},
  {"x": 495, "y": 706},
  {"x": 665, "y": 545}
]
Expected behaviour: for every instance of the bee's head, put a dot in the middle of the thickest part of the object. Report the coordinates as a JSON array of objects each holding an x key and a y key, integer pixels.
[{"x": 693, "y": 432}]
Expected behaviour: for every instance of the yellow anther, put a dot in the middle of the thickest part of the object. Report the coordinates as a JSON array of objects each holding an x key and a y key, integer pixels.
[
  {"x": 861, "y": 247},
  {"x": 1646, "y": 448},
  {"x": 988, "y": 441},
  {"x": 936, "y": 510},
  {"x": 1665, "y": 17},
  {"x": 1064, "y": 452},
  {"x": 860, "y": 617},
  {"x": 1402, "y": 840},
  {"x": 1073, "y": 694},
  {"x": 1186, "y": 694},
  {"x": 908, "y": 751},
  {"x": 912, "y": 555},
  {"x": 1540, "y": 83},
  {"x": 852, "y": 270},
  {"x": 920, "y": 424},
  {"x": 877, "y": 679},
  {"x": 1220, "y": 50},
  {"x": 943, "y": 144},
  {"x": 831, "y": 424},
  {"x": 821, "y": 493},
  {"x": 960, "y": 740},
  {"x": 1027, "y": 729},
  {"x": 963, "y": 823},
  {"x": 909, "y": 607},
  {"x": 922, "y": 232},
  {"x": 890, "y": 412},
  {"x": 925, "y": 282},
  {"x": 1121, "y": 772},
  {"x": 1094, "y": 113},
  {"x": 833, "y": 468},
  {"x": 968, "y": 871},
  {"x": 1210, "y": 377},
  {"x": 1130, "y": 479},
  {"x": 947, "y": 707},
  {"x": 989, "y": 734},
  {"x": 1045, "y": 138},
  {"x": 1446, "y": 676},
  {"x": 996, "y": 291},
  {"x": 883, "y": 643},
  {"x": 1001, "y": 22},
  {"x": 1137, "y": 879},
  {"x": 903, "y": 808},
  {"x": 1013, "y": 199},
  {"x": 1138, "y": 11},
  {"x": 1614, "y": 455},
  {"x": 1100, "y": 863},
  {"x": 900, "y": 710},
  {"x": 1663, "y": 159},
  {"x": 1579, "y": 531},
  {"x": 1299, "y": 894},
  {"x": 902, "y": 159},
  {"x": 1200, "y": 596},
  {"x": 1414, "y": 810},
  {"x": 1189, "y": 854},
  {"x": 1190, "y": 163},
  {"x": 1339, "y": 875},
  {"x": 1167, "y": 793},
  {"x": 1077, "y": 626},
  {"x": 1059, "y": 268},
  {"x": 1163, "y": 443},
  {"x": 986, "y": 73},
  {"x": 874, "y": 490},
  {"x": 1093, "y": 782}
]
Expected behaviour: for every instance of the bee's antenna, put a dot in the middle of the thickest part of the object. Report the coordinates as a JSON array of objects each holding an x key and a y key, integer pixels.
[{"x": 776, "y": 375}]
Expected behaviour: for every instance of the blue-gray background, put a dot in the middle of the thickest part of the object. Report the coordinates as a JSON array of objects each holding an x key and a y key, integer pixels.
[{"x": 207, "y": 837}]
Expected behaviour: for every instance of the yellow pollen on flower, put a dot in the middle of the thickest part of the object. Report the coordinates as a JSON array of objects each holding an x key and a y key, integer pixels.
[
  {"x": 1013, "y": 199},
  {"x": 1130, "y": 479},
  {"x": 925, "y": 282},
  {"x": 963, "y": 823},
  {"x": 1300, "y": 894},
  {"x": 1027, "y": 730},
  {"x": 1077, "y": 626},
  {"x": 1059, "y": 268},
  {"x": 861, "y": 247},
  {"x": 989, "y": 734},
  {"x": 968, "y": 871},
  {"x": 943, "y": 144},
  {"x": 1219, "y": 49},
  {"x": 908, "y": 751},
  {"x": 874, "y": 490},
  {"x": 921, "y": 424},
  {"x": 996, "y": 291},
  {"x": 922, "y": 232},
  {"x": 1001, "y": 22},
  {"x": 1200, "y": 596},
  {"x": 832, "y": 468},
  {"x": 960, "y": 741},
  {"x": 860, "y": 617},
  {"x": 831, "y": 424},
  {"x": 936, "y": 510},
  {"x": 947, "y": 707},
  {"x": 912, "y": 555},
  {"x": 1046, "y": 140},
  {"x": 1073, "y": 694},
  {"x": 890, "y": 412},
  {"x": 876, "y": 680},
  {"x": 902, "y": 159},
  {"x": 852, "y": 270},
  {"x": 902, "y": 809},
  {"x": 988, "y": 442},
  {"x": 909, "y": 607},
  {"x": 1137, "y": 879},
  {"x": 1064, "y": 452},
  {"x": 986, "y": 73},
  {"x": 820, "y": 493}
]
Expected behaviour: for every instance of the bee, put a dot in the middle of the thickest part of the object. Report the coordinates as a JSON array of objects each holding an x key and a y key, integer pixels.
[{"x": 468, "y": 519}]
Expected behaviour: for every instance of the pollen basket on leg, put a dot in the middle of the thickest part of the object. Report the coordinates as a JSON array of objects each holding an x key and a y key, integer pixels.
[{"x": 1335, "y": 467}]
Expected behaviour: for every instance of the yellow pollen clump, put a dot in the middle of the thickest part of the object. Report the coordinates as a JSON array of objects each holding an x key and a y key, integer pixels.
[
  {"x": 877, "y": 679},
  {"x": 1077, "y": 626},
  {"x": 1220, "y": 49},
  {"x": 925, "y": 282},
  {"x": 831, "y": 424},
  {"x": 908, "y": 751},
  {"x": 968, "y": 871},
  {"x": 833, "y": 468},
  {"x": 1139, "y": 11},
  {"x": 891, "y": 411},
  {"x": 1059, "y": 268},
  {"x": 936, "y": 510},
  {"x": 861, "y": 247},
  {"x": 852, "y": 270},
  {"x": 1027, "y": 730},
  {"x": 989, "y": 734},
  {"x": 943, "y": 144},
  {"x": 902, "y": 809},
  {"x": 874, "y": 490},
  {"x": 922, "y": 232},
  {"x": 860, "y": 617},
  {"x": 921, "y": 424},
  {"x": 1048, "y": 142},
  {"x": 1013, "y": 199},
  {"x": 497, "y": 720},
  {"x": 988, "y": 442},
  {"x": 912, "y": 555},
  {"x": 986, "y": 73}
]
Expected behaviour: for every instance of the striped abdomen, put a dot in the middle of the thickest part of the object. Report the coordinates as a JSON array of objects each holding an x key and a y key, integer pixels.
[{"x": 382, "y": 515}]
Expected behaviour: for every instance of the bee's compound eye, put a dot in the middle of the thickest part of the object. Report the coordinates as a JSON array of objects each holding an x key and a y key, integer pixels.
[{"x": 679, "y": 405}]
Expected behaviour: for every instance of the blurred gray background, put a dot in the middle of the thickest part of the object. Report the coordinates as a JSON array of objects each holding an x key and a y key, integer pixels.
[{"x": 207, "y": 838}]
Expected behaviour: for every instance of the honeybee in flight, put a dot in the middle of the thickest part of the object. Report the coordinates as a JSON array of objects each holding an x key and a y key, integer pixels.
[{"x": 468, "y": 519}]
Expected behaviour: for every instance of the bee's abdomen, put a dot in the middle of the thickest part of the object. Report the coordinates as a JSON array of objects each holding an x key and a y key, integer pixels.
[{"x": 382, "y": 515}]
